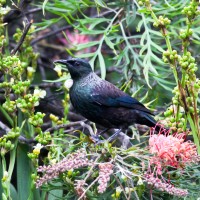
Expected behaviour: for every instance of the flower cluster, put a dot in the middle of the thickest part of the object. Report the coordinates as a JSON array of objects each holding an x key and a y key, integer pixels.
[
  {"x": 79, "y": 188},
  {"x": 72, "y": 161},
  {"x": 162, "y": 22},
  {"x": 105, "y": 170},
  {"x": 74, "y": 39},
  {"x": 162, "y": 186},
  {"x": 169, "y": 150}
]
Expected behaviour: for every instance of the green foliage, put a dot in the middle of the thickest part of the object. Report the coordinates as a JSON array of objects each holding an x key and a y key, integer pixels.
[{"x": 155, "y": 44}]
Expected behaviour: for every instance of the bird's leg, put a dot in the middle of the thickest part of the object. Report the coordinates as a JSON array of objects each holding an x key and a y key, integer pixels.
[
  {"x": 105, "y": 130},
  {"x": 112, "y": 137},
  {"x": 95, "y": 138}
]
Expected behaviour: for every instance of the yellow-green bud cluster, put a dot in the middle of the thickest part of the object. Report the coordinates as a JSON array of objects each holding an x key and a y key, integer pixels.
[
  {"x": 5, "y": 85},
  {"x": 170, "y": 57},
  {"x": 6, "y": 140},
  {"x": 171, "y": 116},
  {"x": 162, "y": 22},
  {"x": 29, "y": 36},
  {"x": 55, "y": 119},
  {"x": 175, "y": 99},
  {"x": 191, "y": 11},
  {"x": 2, "y": 2},
  {"x": 185, "y": 34},
  {"x": 7, "y": 62},
  {"x": 11, "y": 65},
  {"x": 187, "y": 62},
  {"x": 44, "y": 139},
  {"x": 20, "y": 87},
  {"x": 10, "y": 106},
  {"x": 2, "y": 40},
  {"x": 27, "y": 103},
  {"x": 36, "y": 119},
  {"x": 144, "y": 2}
]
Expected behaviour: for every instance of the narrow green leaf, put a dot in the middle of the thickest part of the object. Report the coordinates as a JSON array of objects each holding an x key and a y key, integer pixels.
[
  {"x": 102, "y": 66},
  {"x": 43, "y": 6},
  {"x": 109, "y": 43},
  {"x": 157, "y": 46},
  {"x": 86, "y": 55},
  {"x": 139, "y": 25},
  {"x": 143, "y": 38},
  {"x": 86, "y": 45},
  {"x": 13, "y": 192},
  {"x": 23, "y": 172}
]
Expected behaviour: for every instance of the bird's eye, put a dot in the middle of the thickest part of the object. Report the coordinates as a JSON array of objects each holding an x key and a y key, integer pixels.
[{"x": 77, "y": 64}]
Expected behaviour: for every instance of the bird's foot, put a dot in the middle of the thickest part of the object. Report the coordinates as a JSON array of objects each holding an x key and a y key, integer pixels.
[{"x": 96, "y": 138}]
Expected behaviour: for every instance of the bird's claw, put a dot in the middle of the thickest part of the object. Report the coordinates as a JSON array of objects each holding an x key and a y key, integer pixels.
[{"x": 96, "y": 139}]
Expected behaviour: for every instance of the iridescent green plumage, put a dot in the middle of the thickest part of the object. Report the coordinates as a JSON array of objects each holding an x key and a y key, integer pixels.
[{"x": 102, "y": 102}]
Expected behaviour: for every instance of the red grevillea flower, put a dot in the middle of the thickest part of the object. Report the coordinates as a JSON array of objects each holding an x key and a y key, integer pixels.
[
  {"x": 75, "y": 38},
  {"x": 171, "y": 150}
]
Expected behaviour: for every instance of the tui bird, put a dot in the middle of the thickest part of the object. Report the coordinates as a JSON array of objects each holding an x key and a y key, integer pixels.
[{"x": 101, "y": 102}]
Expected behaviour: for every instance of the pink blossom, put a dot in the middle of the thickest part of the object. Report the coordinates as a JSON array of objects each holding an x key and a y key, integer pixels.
[
  {"x": 163, "y": 186},
  {"x": 72, "y": 161},
  {"x": 74, "y": 38},
  {"x": 105, "y": 170},
  {"x": 79, "y": 188},
  {"x": 171, "y": 150}
]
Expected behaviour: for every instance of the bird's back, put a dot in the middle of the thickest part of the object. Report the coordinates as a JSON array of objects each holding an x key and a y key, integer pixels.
[{"x": 103, "y": 103}]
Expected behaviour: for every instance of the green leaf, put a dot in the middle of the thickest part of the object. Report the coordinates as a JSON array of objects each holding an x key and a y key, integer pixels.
[
  {"x": 157, "y": 46},
  {"x": 86, "y": 45},
  {"x": 138, "y": 29},
  {"x": 100, "y": 3},
  {"x": 86, "y": 55},
  {"x": 13, "y": 192},
  {"x": 56, "y": 194},
  {"x": 92, "y": 21},
  {"x": 23, "y": 172},
  {"x": 143, "y": 38},
  {"x": 43, "y": 6},
  {"x": 102, "y": 66},
  {"x": 109, "y": 43}
]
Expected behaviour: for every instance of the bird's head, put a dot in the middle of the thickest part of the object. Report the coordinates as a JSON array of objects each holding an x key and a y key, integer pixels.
[{"x": 77, "y": 67}]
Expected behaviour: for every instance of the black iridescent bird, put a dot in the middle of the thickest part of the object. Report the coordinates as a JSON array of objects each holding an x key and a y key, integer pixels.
[{"x": 101, "y": 102}]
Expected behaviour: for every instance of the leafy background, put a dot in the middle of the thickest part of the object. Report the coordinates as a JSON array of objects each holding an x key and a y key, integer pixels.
[{"x": 122, "y": 45}]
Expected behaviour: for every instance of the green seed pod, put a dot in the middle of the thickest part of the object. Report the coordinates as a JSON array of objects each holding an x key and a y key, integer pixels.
[
  {"x": 191, "y": 109},
  {"x": 172, "y": 119}
]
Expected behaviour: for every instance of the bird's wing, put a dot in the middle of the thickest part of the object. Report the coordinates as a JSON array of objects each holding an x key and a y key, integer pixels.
[{"x": 113, "y": 97}]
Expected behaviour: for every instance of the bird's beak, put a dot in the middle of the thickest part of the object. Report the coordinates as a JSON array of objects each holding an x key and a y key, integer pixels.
[{"x": 64, "y": 62}]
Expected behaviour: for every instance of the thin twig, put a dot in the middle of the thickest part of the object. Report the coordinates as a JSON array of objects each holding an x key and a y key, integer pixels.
[
  {"x": 120, "y": 186},
  {"x": 91, "y": 169},
  {"x": 88, "y": 188},
  {"x": 26, "y": 29},
  {"x": 4, "y": 127},
  {"x": 65, "y": 126},
  {"x": 24, "y": 140},
  {"x": 33, "y": 11}
]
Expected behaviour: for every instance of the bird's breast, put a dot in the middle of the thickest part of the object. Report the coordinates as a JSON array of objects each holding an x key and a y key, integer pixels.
[{"x": 80, "y": 96}]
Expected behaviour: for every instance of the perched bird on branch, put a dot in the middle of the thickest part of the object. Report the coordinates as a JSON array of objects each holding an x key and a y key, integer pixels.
[{"x": 101, "y": 102}]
